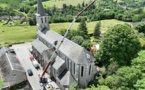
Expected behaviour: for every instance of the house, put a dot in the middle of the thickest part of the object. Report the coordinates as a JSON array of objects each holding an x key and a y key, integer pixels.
[
  {"x": 10, "y": 68},
  {"x": 73, "y": 63}
]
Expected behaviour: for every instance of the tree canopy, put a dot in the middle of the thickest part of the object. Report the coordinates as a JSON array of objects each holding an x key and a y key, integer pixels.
[
  {"x": 140, "y": 28},
  {"x": 119, "y": 44},
  {"x": 97, "y": 31},
  {"x": 83, "y": 26}
]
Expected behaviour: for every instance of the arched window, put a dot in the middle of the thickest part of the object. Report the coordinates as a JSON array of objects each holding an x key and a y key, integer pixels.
[
  {"x": 90, "y": 70},
  {"x": 42, "y": 20},
  {"x": 74, "y": 68},
  {"x": 68, "y": 63},
  {"x": 45, "y": 20},
  {"x": 82, "y": 69}
]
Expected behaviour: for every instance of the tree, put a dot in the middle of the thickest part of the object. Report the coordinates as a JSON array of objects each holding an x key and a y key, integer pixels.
[
  {"x": 140, "y": 85},
  {"x": 83, "y": 27},
  {"x": 86, "y": 44},
  {"x": 112, "y": 68},
  {"x": 120, "y": 44},
  {"x": 140, "y": 28},
  {"x": 102, "y": 87},
  {"x": 139, "y": 62},
  {"x": 113, "y": 82},
  {"x": 97, "y": 31},
  {"x": 124, "y": 79},
  {"x": 73, "y": 86},
  {"x": 79, "y": 39},
  {"x": 129, "y": 77},
  {"x": 32, "y": 21}
]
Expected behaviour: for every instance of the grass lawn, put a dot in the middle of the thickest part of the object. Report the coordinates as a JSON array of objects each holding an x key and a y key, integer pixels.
[
  {"x": 5, "y": 3},
  {"x": 59, "y": 3},
  {"x": 17, "y": 34},
  {"x": 105, "y": 25},
  {"x": 1, "y": 83},
  {"x": 20, "y": 34}
]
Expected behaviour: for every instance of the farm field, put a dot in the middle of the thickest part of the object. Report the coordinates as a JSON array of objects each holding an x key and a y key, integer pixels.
[{"x": 21, "y": 34}]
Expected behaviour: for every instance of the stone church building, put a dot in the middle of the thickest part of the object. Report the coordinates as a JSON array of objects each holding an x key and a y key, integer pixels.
[{"x": 73, "y": 63}]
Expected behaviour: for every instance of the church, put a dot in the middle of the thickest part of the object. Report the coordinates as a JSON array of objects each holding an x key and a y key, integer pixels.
[{"x": 73, "y": 63}]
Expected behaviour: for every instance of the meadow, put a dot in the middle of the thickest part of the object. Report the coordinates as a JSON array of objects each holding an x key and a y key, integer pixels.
[
  {"x": 59, "y": 3},
  {"x": 21, "y": 34},
  {"x": 5, "y": 3}
]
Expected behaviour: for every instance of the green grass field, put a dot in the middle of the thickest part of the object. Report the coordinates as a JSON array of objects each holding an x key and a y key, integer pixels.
[
  {"x": 1, "y": 83},
  {"x": 5, "y": 3},
  {"x": 105, "y": 25},
  {"x": 59, "y": 3},
  {"x": 20, "y": 34},
  {"x": 16, "y": 34}
]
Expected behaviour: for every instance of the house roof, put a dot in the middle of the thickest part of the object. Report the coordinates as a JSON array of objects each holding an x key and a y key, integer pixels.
[
  {"x": 48, "y": 53},
  {"x": 40, "y": 9},
  {"x": 70, "y": 49},
  {"x": 66, "y": 78},
  {"x": 9, "y": 62},
  {"x": 13, "y": 60},
  {"x": 58, "y": 63},
  {"x": 39, "y": 46},
  {"x": 3, "y": 50}
]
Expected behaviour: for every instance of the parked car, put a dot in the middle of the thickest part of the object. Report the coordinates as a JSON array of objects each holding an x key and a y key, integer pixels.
[
  {"x": 35, "y": 64},
  {"x": 30, "y": 73}
]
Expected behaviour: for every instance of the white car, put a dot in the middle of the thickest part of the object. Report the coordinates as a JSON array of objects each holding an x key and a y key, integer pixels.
[{"x": 35, "y": 64}]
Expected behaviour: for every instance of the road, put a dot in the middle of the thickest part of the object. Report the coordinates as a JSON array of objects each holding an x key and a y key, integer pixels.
[{"x": 23, "y": 54}]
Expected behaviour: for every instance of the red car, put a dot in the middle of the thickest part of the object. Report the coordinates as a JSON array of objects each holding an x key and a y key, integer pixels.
[{"x": 31, "y": 58}]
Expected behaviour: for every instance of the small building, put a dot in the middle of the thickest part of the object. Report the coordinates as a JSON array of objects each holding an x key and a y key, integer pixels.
[
  {"x": 73, "y": 63},
  {"x": 11, "y": 70},
  {"x": 106, "y": 10}
]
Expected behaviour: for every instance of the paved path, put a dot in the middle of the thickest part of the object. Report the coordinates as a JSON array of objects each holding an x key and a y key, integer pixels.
[{"x": 22, "y": 51}]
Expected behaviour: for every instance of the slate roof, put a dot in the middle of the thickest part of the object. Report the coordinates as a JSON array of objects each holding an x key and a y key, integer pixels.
[
  {"x": 13, "y": 60},
  {"x": 9, "y": 62},
  {"x": 58, "y": 63},
  {"x": 66, "y": 78},
  {"x": 39, "y": 46},
  {"x": 70, "y": 49},
  {"x": 40, "y": 9},
  {"x": 3, "y": 50},
  {"x": 48, "y": 53}
]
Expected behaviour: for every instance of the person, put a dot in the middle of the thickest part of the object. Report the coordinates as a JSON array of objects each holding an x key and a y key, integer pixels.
[{"x": 92, "y": 50}]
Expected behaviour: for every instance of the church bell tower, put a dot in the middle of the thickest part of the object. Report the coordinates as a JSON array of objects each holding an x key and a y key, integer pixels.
[{"x": 41, "y": 17}]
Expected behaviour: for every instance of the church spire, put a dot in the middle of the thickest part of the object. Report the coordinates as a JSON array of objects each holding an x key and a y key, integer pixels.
[{"x": 40, "y": 9}]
